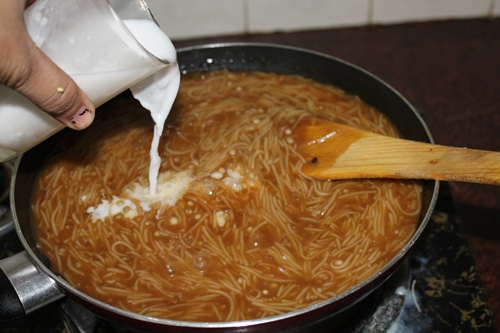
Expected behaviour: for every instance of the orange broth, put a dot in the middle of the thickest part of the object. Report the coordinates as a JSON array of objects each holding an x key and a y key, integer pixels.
[{"x": 248, "y": 235}]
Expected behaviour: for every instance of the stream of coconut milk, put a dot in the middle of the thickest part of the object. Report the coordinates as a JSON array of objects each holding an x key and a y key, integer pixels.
[{"x": 157, "y": 94}]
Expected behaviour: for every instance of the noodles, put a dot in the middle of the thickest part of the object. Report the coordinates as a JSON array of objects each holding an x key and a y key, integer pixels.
[{"x": 244, "y": 233}]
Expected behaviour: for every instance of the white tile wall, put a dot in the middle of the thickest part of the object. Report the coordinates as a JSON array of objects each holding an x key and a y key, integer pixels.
[
  {"x": 184, "y": 19},
  {"x": 288, "y": 15},
  {"x": 396, "y": 11}
]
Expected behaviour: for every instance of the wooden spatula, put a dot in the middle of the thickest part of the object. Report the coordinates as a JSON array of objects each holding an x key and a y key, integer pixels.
[{"x": 334, "y": 151}]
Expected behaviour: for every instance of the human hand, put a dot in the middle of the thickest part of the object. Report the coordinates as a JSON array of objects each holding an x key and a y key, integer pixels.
[{"x": 26, "y": 69}]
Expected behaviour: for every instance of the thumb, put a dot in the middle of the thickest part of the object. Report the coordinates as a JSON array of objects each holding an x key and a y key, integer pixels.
[{"x": 53, "y": 91}]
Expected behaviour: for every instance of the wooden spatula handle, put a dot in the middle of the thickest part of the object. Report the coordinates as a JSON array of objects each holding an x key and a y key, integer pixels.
[
  {"x": 351, "y": 154},
  {"x": 408, "y": 159}
]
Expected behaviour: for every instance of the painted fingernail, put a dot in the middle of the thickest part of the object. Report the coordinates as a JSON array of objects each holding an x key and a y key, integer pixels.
[{"x": 82, "y": 118}]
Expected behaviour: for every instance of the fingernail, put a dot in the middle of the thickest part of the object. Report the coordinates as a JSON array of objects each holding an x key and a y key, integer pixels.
[{"x": 82, "y": 118}]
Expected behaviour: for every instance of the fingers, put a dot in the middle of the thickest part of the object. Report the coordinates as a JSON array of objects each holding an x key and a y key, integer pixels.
[
  {"x": 53, "y": 91},
  {"x": 29, "y": 71}
]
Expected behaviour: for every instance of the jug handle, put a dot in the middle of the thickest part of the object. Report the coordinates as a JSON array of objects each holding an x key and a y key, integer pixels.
[{"x": 24, "y": 288}]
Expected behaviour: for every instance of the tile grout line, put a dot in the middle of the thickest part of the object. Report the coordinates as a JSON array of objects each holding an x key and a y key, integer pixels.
[
  {"x": 370, "y": 13},
  {"x": 246, "y": 17}
]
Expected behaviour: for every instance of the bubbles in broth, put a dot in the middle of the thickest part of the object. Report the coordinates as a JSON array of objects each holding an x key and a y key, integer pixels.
[{"x": 238, "y": 231}]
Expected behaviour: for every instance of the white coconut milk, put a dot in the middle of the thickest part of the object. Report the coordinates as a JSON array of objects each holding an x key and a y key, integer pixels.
[{"x": 156, "y": 93}]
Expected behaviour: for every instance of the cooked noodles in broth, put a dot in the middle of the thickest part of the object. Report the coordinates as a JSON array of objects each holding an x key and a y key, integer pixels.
[{"x": 236, "y": 230}]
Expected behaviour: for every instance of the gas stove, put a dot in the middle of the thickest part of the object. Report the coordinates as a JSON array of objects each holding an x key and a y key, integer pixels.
[{"x": 437, "y": 289}]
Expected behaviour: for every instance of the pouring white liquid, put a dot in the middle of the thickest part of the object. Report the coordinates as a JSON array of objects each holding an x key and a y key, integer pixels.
[
  {"x": 88, "y": 40},
  {"x": 156, "y": 93}
]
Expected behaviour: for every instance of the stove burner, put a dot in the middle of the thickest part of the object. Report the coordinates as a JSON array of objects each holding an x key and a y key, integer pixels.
[{"x": 388, "y": 304}]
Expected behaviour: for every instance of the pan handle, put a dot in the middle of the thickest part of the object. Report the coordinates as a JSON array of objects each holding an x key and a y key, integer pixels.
[{"x": 23, "y": 287}]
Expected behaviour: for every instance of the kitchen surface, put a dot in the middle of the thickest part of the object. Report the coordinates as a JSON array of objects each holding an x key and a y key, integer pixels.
[{"x": 450, "y": 72}]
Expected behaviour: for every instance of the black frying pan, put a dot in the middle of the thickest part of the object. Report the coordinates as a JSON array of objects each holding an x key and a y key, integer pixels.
[{"x": 242, "y": 56}]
